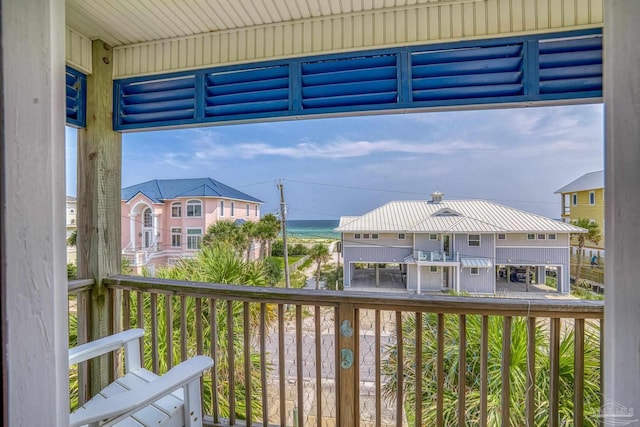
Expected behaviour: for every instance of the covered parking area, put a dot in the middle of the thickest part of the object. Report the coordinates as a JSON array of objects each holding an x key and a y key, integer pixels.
[{"x": 147, "y": 46}]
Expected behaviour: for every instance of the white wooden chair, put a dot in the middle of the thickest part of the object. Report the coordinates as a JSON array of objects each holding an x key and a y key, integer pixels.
[{"x": 140, "y": 397}]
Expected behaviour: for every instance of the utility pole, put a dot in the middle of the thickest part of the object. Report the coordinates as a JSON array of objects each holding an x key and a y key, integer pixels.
[{"x": 283, "y": 216}]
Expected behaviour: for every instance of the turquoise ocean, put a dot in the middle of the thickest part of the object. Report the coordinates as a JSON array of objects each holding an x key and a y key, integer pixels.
[{"x": 313, "y": 228}]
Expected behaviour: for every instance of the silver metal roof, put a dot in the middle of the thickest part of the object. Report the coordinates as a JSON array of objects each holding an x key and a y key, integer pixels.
[
  {"x": 462, "y": 216},
  {"x": 588, "y": 181}
]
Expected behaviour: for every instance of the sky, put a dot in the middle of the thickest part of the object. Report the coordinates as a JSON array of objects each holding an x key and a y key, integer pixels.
[{"x": 350, "y": 165}]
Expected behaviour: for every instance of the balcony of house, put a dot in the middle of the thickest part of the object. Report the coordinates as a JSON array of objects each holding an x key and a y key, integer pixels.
[
  {"x": 437, "y": 258},
  {"x": 298, "y": 357}
]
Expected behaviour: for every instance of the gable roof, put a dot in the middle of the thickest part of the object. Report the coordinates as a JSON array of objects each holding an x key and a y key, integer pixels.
[
  {"x": 159, "y": 190},
  {"x": 420, "y": 216},
  {"x": 588, "y": 181}
]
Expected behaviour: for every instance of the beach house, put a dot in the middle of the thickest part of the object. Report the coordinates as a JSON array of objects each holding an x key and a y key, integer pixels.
[
  {"x": 461, "y": 245},
  {"x": 164, "y": 220},
  {"x": 584, "y": 198}
]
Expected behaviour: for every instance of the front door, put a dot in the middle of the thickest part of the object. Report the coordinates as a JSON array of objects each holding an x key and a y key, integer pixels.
[
  {"x": 446, "y": 244},
  {"x": 445, "y": 277},
  {"x": 147, "y": 238}
]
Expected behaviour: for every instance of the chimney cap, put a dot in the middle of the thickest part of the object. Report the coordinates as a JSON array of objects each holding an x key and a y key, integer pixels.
[{"x": 436, "y": 197}]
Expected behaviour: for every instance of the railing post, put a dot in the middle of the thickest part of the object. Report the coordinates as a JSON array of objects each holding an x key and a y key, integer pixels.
[{"x": 347, "y": 411}]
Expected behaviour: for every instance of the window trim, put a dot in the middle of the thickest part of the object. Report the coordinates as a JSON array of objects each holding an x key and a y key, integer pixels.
[
  {"x": 402, "y": 236},
  {"x": 177, "y": 205},
  {"x": 357, "y": 236},
  {"x": 433, "y": 269},
  {"x": 592, "y": 198},
  {"x": 366, "y": 236},
  {"x": 247, "y": 209},
  {"x": 431, "y": 236},
  {"x": 375, "y": 236},
  {"x": 574, "y": 199},
  {"x": 531, "y": 236},
  {"x": 477, "y": 271},
  {"x": 504, "y": 236},
  {"x": 469, "y": 240},
  {"x": 199, "y": 235},
  {"x": 144, "y": 217},
  {"x": 541, "y": 236},
  {"x": 233, "y": 209},
  {"x": 193, "y": 203},
  {"x": 555, "y": 236},
  {"x": 221, "y": 208}
]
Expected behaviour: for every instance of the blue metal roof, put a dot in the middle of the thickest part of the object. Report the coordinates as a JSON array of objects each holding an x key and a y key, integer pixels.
[{"x": 159, "y": 190}]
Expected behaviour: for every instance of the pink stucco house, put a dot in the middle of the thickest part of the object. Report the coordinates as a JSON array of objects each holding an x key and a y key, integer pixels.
[{"x": 164, "y": 220}]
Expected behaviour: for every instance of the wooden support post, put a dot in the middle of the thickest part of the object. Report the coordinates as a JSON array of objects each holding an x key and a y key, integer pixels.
[
  {"x": 99, "y": 192},
  {"x": 347, "y": 365}
]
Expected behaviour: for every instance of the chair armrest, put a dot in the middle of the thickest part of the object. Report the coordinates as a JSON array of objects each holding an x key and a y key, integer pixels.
[
  {"x": 124, "y": 404},
  {"x": 102, "y": 346}
]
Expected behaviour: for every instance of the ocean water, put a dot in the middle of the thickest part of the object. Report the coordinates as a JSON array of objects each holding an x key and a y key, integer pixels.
[{"x": 313, "y": 228}]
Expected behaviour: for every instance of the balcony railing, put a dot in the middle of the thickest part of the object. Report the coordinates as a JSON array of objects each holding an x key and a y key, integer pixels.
[
  {"x": 297, "y": 357},
  {"x": 437, "y": 256}
]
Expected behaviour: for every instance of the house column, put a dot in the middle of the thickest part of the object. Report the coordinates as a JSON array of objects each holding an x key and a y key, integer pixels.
[
  {"x": 132, "y": 230},
  {"x": 622, "y": 210},
  {"x": 154, "y": 223},
  {"x": 457, "y": 287},
  {"x": 99, "y": 191},
  {"x": 33, "y": 280},
  {"x": 418, "y": 284}
]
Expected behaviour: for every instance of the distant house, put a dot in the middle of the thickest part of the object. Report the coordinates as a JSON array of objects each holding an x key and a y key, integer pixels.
[
  {"x": 584, "y": 198},
  {"x": 164, "y": 220},
  {"x": 72, "y": 211},
  {"x": 453, "y": 244}
]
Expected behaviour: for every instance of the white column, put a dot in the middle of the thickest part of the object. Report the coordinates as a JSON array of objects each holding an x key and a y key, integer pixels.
[
  {"x": 154, "y": 224},
  {"x": 132, "y": 230},
  {"x": 457, "y": 287},
  {"x": 34, "y": 298},
  {"x": 418, "y": 285},
  {"x": 622, "y": 211}
]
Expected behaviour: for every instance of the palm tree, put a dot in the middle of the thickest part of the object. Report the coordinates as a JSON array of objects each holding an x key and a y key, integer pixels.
[
  {"x": 592, "y": 235},
  {"x": 319, "y": 253},
  {"x": 215, "y": 263},
  {"x": 226, "y": 232},
  {"x": 71, "y": 240},
  {"x": 267, "y": 231},
  {"x": 517, "y": 371}
]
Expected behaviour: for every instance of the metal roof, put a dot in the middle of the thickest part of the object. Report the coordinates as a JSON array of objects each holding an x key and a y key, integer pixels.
[
  {"x": 135, "y": 21},
  {"x": 588, "y": 181},
  {"x": 476, "y": 262},
  {"x": 473, "y": 216},
  {"x": 168, "y": 189}
]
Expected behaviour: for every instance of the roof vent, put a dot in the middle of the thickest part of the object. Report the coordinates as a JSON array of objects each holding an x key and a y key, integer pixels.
[{"x": 436, "y": 197}]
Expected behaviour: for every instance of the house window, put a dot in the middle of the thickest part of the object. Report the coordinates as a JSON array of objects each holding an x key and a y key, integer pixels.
[
  {"x": 433, "y": 237},
  {"x": 366, "y": 236},
  {"x": 357, "y": 236},
  {"x": 551, "y": 236},
  {"x": 247, "y": 209},
  {"x": 256, "y": 210},
  {"x": 194, "y": 238},
  {"x": 375, "y": 236},
  {"x": 502, "y": 236},
  {"x": 433, "y": 269},
  {"x": 574, "y": 199},
  {"x": 147, "y": 218},
  {"x": 233, "y": 209},
  {"x": 531, "y": 236},
  {"x": 401, "y": 236},
  {"x": 475, "y": 271},
  {"x": 194, "y": 208},
  {"x": 592, "y": 198},
  {"x": 474, "y": 240},
  {"x": 176, "y": 210},
  {"x": 541, "y": 237},
  {"x": 176, "y": 237},
  {"x": 221, "y": 207}
]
